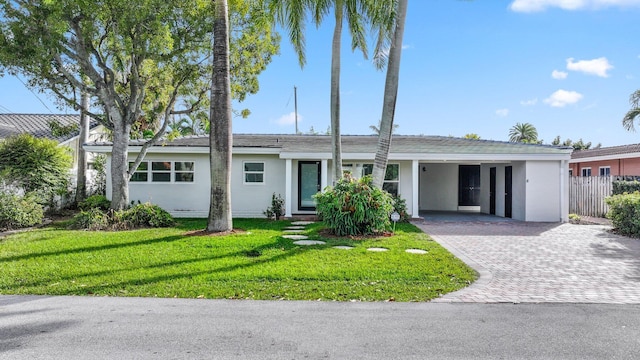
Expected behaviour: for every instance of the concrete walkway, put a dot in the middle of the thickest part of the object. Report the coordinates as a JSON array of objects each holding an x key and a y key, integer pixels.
[{"x": 534, "y": 262}]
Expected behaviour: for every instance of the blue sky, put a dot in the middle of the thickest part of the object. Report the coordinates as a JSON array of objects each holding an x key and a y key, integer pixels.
[{"x": 565, "y": 66}]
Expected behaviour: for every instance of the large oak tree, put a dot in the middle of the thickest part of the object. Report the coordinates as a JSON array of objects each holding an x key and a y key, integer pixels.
[{"x": 134, "y": 58}]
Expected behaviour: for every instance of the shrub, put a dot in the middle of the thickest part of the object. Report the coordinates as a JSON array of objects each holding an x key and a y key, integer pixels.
[
  {"x": 91, "y": 219},
  {"x": 276, "y": 210},
  {"x": 354, "y": 207},
  {"x": 624, "y": 212},
  {"x": 138, "y": 216},
  {"x": 95, "y": 202},
  {"x": 38, "y": 166},
  {"x": 621, "y": 187},
  {"x": 19, "y": 211},
  {"x": 143, "y": 215}
]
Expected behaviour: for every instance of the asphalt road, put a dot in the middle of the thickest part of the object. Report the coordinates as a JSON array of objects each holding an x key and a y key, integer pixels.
[{"x": 33, "y": 327}]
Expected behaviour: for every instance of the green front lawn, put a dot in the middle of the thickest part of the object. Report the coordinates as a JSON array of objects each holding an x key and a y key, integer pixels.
[{"x": 256, "y": 263}]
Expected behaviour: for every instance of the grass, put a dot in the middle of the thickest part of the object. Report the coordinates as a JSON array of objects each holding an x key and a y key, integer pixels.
[{"x": 256, "y": 263}]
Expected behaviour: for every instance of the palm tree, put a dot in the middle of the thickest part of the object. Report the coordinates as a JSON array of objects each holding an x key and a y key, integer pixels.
[
  {"x": 632, "y": 114},
  {"x": 376, "y": 129},
  {"x": 390, "y": 96},
  {"x": 220, "y": 138},
  {"x": 523, "y": 132},
  {"x": 357, "y": 13}
]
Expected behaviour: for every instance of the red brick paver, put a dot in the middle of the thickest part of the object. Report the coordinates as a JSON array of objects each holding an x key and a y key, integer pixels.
[{"x": 534, "y": 262}]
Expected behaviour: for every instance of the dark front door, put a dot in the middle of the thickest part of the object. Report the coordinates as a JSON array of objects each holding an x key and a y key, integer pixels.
[
  {"x": 469, "y": 185},
  {"x": 308, "y": 184},
  {"x": 492, "y": 191},
  {"x": 508, "y": 196}
]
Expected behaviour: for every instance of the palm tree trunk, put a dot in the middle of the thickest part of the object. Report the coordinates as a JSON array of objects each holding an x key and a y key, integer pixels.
[
  {"x": 390, "y": 97},
  {"x": 336, "y": 142},
  {"x": 220, "y": 137}
]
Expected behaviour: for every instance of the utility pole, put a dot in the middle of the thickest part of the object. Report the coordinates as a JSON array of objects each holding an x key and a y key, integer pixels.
[{"x": 295, "y": 105}]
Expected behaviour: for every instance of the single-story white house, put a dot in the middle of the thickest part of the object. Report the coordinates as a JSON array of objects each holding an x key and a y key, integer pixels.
[{"x": 526, "y": 182}]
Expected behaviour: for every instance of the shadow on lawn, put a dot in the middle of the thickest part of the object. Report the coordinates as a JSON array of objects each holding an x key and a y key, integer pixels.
[
  {"x": 255, "y": 261},
  {"x": 91, "y": 248},
  {"x": 252, "y": 255}
]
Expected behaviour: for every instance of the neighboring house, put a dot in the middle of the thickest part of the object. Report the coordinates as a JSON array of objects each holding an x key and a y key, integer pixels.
[
  {"x": 38, "y": 125},
  {"x": 523, "y": 181},
  {"x": 621, "y": 160}
]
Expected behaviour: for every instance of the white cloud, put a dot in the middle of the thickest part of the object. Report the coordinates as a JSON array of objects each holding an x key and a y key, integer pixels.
[
  {"x": 288, "y": 119},
  {"x": 562, "y": 98},
  {"x": 598, "y": 67},
  {"x": 406, "y": 46},
  {"x": 559, "y": 75},
  {"x": 502, "y": 112},
  {"x": 529, "y": 102},
  {"x": 541, "y": 5}
]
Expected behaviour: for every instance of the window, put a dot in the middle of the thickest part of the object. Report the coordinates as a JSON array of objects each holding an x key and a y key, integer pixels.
[
  {"x": 141, "y": 174},
  {"x": 570, "y": 172},
  {"x": 164, "y": 171},
  {"x": 605, "y": 170},
  {"x": 586, "y": 171},
  {"x": 183, "y": 171},
  {"x": 253, "y": 172},
  {"x": 391, "y": 176},
  {"x": 161, "y": 171},
  {"x": 392, "y": 179}
]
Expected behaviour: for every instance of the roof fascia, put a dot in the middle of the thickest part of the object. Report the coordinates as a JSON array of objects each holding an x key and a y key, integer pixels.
[{"x": 606, "y": 157}]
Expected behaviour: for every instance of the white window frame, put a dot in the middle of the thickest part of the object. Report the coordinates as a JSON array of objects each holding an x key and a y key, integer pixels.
[
  {"x": 607, "y": 168},
  {"x": 584, "y": 171},
  {"x": 245, "y": 173},
  {"x": 172, "y": 172}
]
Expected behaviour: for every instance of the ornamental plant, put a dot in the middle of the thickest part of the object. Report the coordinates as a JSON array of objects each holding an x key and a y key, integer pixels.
[
  {"x": 624, "y": 212},
  {"x": 355, "y": 207}
]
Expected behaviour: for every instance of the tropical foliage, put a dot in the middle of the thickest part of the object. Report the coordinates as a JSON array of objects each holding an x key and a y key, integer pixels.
[
  {"x": 37, "y": 166},
  {"x": 634, "y": 113},
  {"x": 577, "y": 145},
  {"x": 355, "y": 207},
  {"x": 524, "y": 133}
]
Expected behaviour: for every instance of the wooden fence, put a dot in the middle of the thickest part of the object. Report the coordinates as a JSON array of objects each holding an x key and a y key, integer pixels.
[{"x": 587, "y": 193}]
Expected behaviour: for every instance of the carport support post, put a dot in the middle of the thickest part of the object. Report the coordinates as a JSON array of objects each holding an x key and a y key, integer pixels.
[{"x": 415, "y": 192}]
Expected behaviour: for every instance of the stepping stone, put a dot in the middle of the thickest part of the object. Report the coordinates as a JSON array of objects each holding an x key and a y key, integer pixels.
[
  {"x": 302, "y": 223},
  {"x": 309, "y": 242},
  {"x": 295, "y": 237},
  {"x": 416, "y": 251},
  {"x": 294, "y": 228},
  {"x": 343, "y": 247},
  {"x": 293, "y": 231},
  {"x": 376, "y": 249}
]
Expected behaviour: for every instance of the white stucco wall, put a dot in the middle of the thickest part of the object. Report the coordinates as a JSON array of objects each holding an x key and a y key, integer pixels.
[
  {"x": 192, "y": 199},
  {"x": 439, "y": 187},
  {"x": 189, "y": 199},
  {"x": 543, "y": 191}
]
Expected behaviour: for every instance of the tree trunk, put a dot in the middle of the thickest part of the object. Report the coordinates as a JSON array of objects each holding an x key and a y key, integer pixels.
[
  {"x": 390, "y": 96},
  {"x": 336, "y": 141},
  {"x": 81, "y": 175},
  {"x": 220, "y": 137},
  {"x": 120, "y": 165}
]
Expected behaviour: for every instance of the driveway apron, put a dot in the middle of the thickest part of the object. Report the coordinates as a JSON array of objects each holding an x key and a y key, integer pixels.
[{"x": 522, "y": 262}]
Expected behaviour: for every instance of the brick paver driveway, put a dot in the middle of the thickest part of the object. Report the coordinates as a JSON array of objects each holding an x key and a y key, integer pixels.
[{"x": 534, "y": 262}]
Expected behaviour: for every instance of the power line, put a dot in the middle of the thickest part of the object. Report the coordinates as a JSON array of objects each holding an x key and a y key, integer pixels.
[{"x": 34, "y": 94}]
